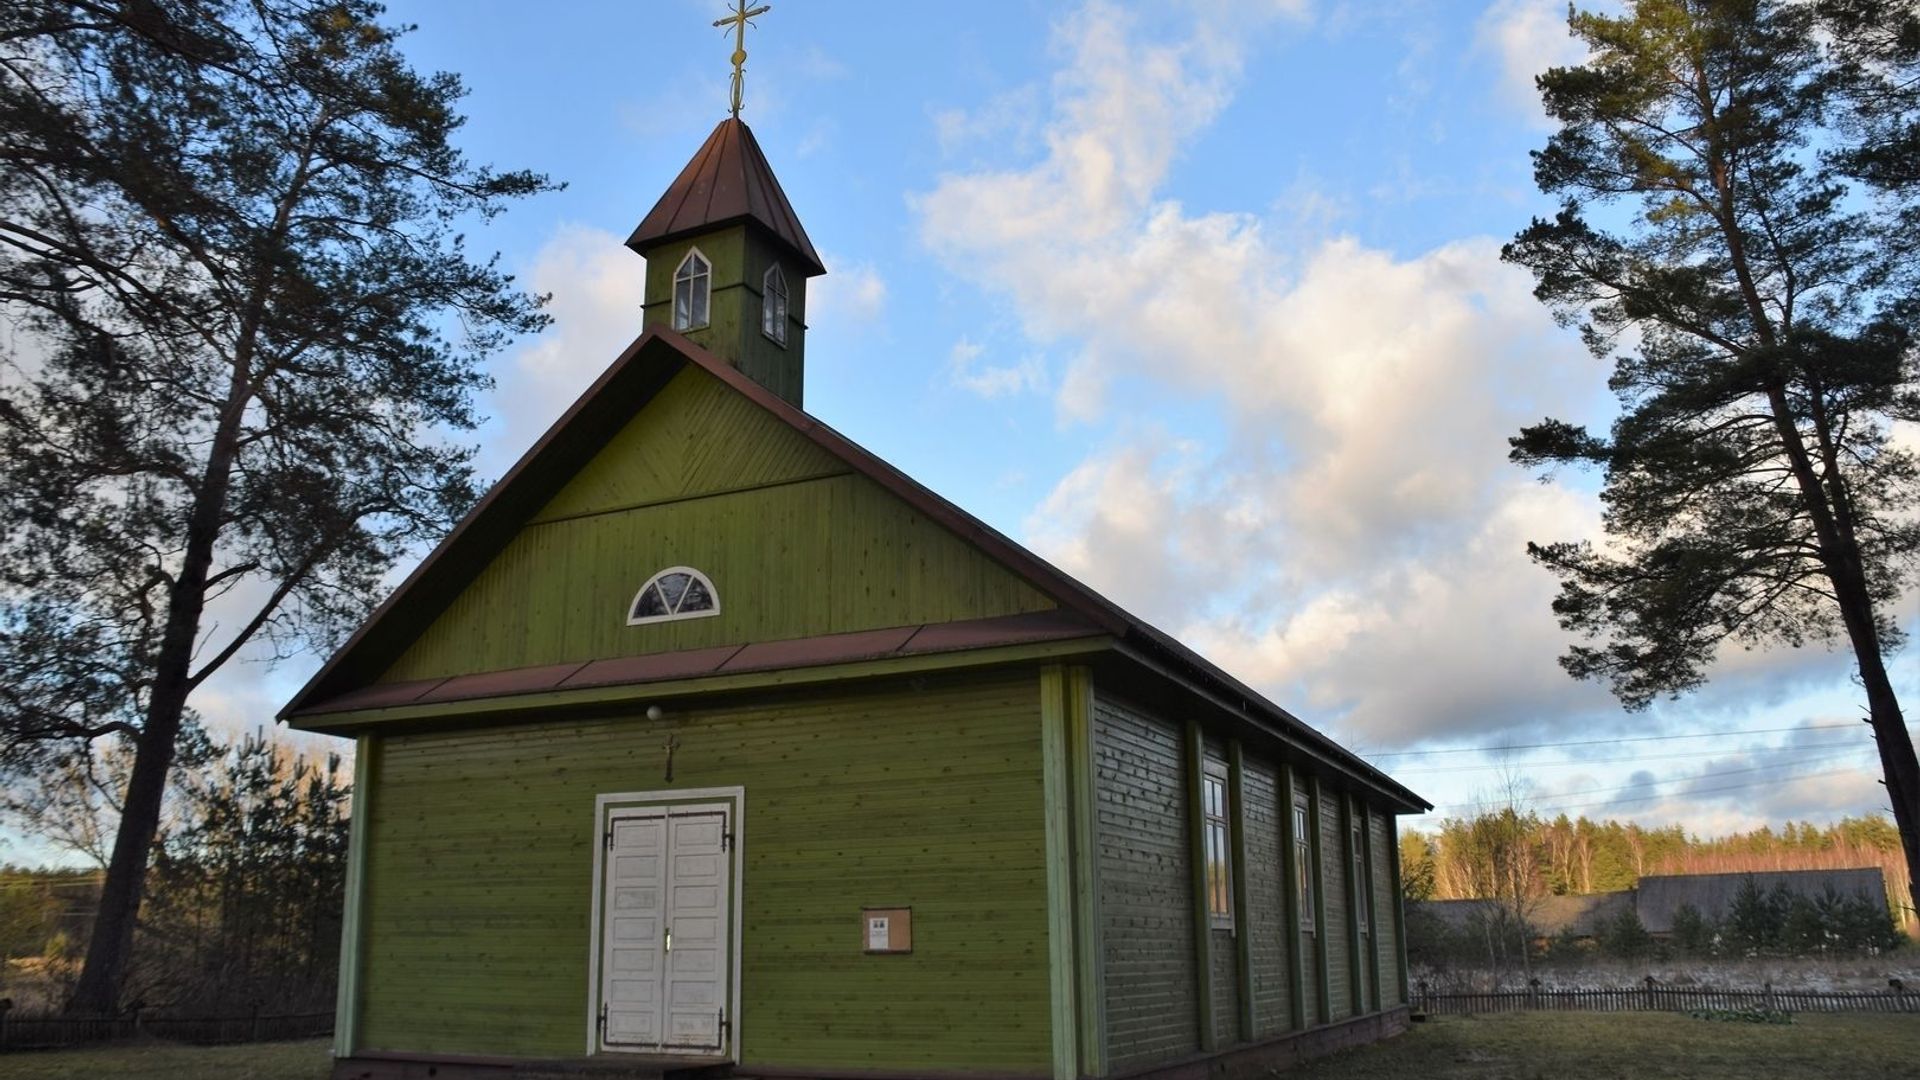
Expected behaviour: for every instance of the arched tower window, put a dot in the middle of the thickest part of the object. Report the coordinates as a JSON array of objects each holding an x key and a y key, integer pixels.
[
  {"x": 678, "y": 592},
  {"x": 773, "y": 304},
  {"x": 692, "y": 287}
]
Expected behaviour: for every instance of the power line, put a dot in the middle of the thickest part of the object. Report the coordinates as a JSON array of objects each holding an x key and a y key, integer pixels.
[
  {"x": 1690, "y": 794},
  {"x": 1848, "y": 744},
  {"x": 1610, "y": 742},
  {"x": 1643, "y": 783}
]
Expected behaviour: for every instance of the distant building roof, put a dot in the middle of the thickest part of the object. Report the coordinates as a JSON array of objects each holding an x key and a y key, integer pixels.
[
  {"x": 1657, "y": 898},
  {"x": 728, "y": 180},
  {"x": 1712, "y": 894},
  {"x": 1550, "y": 915}
]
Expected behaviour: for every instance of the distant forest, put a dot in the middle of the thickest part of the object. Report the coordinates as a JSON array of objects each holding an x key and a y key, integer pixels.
[
  {"x": 244, "y": 889},
  {"x": 1481, "y": 857}
]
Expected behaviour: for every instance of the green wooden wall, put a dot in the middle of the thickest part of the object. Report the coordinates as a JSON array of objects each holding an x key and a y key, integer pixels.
[
  {"x": 1267, "y": 919},
  {"x": 1152, "y": 980},
  {"x": 928, "y": 795},
  {"x": 1386, "y": 902},
  {"x": 1146, "y": 906},
  {"x": 1333, "y": 921},
  {"x": 795, "y": 545}
]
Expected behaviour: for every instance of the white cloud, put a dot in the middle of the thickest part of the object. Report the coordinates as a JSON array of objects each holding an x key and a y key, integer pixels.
[
  {"x": 1355, "y": 541},
  {"x": 851, "y": 294},
  {"x": 1527, "y": 37},
  {"x": 1009, "y": 118},
  {"x": 597, "y": 287},
  {"x": 989, "y": 380}
]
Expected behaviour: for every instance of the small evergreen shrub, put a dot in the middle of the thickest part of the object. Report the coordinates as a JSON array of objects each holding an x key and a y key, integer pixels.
[{"x": 1743, "y": 1016}]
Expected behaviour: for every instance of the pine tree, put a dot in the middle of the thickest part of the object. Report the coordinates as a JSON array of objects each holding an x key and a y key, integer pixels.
[
  {"x": 1759, "y": 319},
  {"x": 1625, "y": 936},
  {"x": 1693, "y": 933},
  {"x": 242, "y": 323}
]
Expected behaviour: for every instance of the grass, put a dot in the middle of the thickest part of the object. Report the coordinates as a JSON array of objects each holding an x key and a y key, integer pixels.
[
  {"x": 1518, "y": 1046},
  {"x": 1635, "y": 1046},
  {"x": 161, "y": 1061}
]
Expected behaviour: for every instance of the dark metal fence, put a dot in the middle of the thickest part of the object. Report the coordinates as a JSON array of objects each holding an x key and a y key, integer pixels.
[
  {"x": 1664, "y": 999},
  {"x": 44, "y": 1032}
]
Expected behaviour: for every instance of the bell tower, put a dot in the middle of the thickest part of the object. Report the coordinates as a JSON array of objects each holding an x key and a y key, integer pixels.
[{"x": 728, "y": 262}]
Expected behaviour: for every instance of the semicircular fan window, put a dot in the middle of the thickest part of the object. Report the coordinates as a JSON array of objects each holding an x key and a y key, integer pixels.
[{"x": 678, "y": 592}]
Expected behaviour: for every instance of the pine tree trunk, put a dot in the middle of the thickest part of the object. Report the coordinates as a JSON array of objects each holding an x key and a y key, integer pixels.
[
  {"x": 111, "y": 945},
  {"x": 1898, "y": 764}
]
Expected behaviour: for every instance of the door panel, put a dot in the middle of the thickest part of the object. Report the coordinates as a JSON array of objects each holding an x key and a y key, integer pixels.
[
  {"x": 636, "y": 887},
  {"x": 696, "y": 962}
]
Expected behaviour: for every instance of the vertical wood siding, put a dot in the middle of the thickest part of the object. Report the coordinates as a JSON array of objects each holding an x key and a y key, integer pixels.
[
  {"x": 1385, "y": 903},
  {"x": 1333, "y": 858},
  {"x": 696, "y": 437},
  {"x": 811, "y": 554},
  {"x": 1266, "y": 922},
  {"x": 1146, "y": 905},
  {"x": 480, "y": 882}
]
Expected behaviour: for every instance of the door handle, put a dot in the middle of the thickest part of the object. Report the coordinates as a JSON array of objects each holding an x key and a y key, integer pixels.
[{"x": 669, "y": 939}]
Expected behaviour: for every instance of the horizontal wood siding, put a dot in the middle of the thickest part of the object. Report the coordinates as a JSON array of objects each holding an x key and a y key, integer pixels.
[
  {"x": 1226, "y": 991},
  {"x": 1146, "y": 904},
  {"x": 1267, "y": 919},
  {"x": 920, "y": 795},
  {"x": 1310, "y": 977},
  {"x": 795, "y": 546},
  {"x": 1333, "y": 858},
  {"x": 1385, "y": 903}
]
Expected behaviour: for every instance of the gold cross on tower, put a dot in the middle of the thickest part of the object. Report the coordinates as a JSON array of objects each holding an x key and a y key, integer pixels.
[{"x": 738, "y": 20}]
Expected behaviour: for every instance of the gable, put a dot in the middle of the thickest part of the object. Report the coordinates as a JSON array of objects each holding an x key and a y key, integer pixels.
[
  {"x": 695, "y": 438},
  {"x": 796, "y": 543}
]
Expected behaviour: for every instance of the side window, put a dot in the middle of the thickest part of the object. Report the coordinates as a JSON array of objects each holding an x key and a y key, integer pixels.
[
  {"x": 1219, "y": 869},
  {"x": 1303, "y": 860},
  {"x": 773, "y": 304},
  {"x": 1361, "y": 899},
  {"x": 692, "y": 288}
]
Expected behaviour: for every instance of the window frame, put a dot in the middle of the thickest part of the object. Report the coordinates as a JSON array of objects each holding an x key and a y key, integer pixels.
[
  {"x": 1216, "y": 834},
  {"x": 1362, "y": 902},
  {"x": 1303, "y": 864},
  {"x": 700, "y": 277},
  {"x": 675, "y": 615},
  {"x": 773, "y": 317}
]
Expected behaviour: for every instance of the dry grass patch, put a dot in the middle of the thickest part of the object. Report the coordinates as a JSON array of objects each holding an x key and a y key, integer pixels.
[
  {"x": 1638, "y": 1046},
  {"x": 163, "y": 1061}
]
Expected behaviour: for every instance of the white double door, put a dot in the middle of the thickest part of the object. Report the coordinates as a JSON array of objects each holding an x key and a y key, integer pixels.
[{"x": 666, "y": 953}]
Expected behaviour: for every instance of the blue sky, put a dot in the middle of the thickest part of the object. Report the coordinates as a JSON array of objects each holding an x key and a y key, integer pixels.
[{"x": 1199, "y": 299}]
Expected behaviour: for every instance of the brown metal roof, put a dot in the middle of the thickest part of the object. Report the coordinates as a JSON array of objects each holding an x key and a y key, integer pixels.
[
  {"x": 727, "y": 181},
  {"x": 721, "y": 660},
  {"x": 614, "y": 398}
]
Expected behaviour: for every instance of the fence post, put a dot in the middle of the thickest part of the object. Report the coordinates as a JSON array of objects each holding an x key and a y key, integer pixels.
[
  {"x": 253, "y": 1023},
  {"x": 1768, "y": 985},
  {"x": 1649, "y": 993},
  {"x": 6, "y": 1006}
]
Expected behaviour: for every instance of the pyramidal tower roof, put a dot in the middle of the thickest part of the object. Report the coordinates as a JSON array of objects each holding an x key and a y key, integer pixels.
[{"x": 727, "y": 181}]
